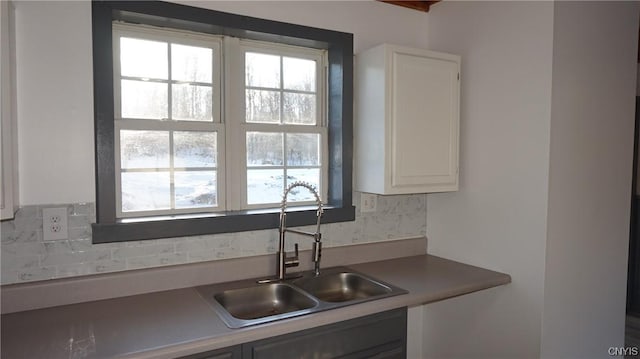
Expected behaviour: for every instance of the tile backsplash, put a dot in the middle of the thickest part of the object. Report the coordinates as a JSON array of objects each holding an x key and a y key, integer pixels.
[{"x": 25, "y": 256}]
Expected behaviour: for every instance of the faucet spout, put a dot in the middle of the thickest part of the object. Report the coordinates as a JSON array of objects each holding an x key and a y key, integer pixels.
[{"x": 312, "y": 189}]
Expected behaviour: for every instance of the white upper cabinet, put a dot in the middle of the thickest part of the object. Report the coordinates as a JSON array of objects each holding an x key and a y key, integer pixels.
[
  {"x": 407, "y": 120},
  {"x": 8, "y": 175}
]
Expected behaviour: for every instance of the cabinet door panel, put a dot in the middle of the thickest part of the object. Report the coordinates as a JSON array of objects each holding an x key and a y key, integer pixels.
[
  {"x": 234, "y": 352},
  {"x": 407, "y": 120},
  {"x": 8, "y": 126},
  {"x": 424, "y": 125},
  {"x": 357, "y": 338},
  {"x": 395, "y": 350}
]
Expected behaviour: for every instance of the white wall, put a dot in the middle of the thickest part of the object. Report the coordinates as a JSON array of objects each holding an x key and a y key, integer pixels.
[
  {"x": 498, "y": 218},
  {"x": 546, "y": 147},
  {"x": 371, "y": 22},
  {"x": 54, "y": 102},
  {"x": 54, "y": 74},
  {"x": 592, "y": 123}
]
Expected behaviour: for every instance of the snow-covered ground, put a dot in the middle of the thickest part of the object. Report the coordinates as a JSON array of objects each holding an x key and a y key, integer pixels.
[{"x": 193, "y": 189}]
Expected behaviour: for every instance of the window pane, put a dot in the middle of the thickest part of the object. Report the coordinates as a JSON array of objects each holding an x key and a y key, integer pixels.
[
  {"x": 309, "y": 175},
  {"x": 195, "y": 189},
  {"x": 143, "y": 58},
  {"x": 192, "y": 103},
  {"x": 299, "y": 74},
  {"x": 262, "y": 70},
  {"x": 144, "y": 149},
  {"x": 145, "y": 191},
  {"x": 194, "y": 149},
  {"x": 262, "y": 106},
  {"x": 191, "y": 63},
  {"x": 299, "y": 108},
  {"x": 264, "y": 186},
  {"x": 141, "y": 99},
  {"x": 264, "y": 149},
  {"x": 303, "y": 149}
]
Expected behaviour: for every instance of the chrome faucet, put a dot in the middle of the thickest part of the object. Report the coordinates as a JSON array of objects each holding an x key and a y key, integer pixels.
[{"x": 285, "y": 261}]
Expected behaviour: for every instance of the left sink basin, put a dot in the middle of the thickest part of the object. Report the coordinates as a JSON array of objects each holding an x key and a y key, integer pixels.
[
  {"x": 264, "y": 300},
  {"x": 261, "y": 303}
]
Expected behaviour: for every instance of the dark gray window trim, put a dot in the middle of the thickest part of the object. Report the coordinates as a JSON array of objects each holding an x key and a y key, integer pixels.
[{"x": 340, "y": 49}]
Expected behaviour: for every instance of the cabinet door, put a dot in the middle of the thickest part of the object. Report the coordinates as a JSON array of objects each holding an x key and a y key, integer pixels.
[
  {"x": 396, "y": 350},
  {"x": 380, "y": 335},
  {"x": 8, "y": 134},
  {"x": 424, "y": 120},
  {"x": 223, "y": 353}
]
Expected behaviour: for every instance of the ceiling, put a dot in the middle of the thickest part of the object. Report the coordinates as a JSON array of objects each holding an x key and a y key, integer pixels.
[{"x": 415, "y": 5}]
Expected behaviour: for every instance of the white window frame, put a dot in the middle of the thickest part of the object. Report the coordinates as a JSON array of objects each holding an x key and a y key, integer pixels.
[
  {"x": 183, "y": 38},
  {"x": 241, "y": 47},
  {"x": 229, "y": 115}
]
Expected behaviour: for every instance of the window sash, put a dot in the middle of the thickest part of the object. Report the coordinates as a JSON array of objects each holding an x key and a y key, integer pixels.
[
  {"x": 320, "y": 58},
  {"x": 180, "y": 37},
  {"x": 286, "y": 129},
  {"x": 154, "y": 125}
]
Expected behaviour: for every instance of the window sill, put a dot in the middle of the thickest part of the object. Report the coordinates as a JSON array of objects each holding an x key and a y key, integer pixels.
[{"x": 132, "y": 229}]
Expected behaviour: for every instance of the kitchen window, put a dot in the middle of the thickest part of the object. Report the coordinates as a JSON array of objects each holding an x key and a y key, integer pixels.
[{"x": 203, "y": 118}]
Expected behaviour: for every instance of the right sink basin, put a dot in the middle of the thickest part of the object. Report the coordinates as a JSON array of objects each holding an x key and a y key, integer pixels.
[{"x": 342, "y": 287}]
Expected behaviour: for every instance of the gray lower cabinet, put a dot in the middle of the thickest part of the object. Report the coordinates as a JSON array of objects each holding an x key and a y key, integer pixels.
[{"x": 380, "y": 336}]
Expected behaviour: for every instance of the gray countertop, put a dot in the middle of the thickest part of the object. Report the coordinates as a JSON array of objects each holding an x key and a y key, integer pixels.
[{"x": 179, "y": 322}]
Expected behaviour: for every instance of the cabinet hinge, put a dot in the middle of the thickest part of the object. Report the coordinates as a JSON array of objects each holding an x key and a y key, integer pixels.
[{"x": 458, "y": 76}]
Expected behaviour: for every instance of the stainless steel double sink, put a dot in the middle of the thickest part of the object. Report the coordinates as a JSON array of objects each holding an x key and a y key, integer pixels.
[{"x": 243, "y": 303}]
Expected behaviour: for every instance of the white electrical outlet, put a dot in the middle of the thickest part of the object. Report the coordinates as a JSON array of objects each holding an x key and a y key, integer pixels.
[
  {"x": 54, "y": 223},
  {"x": 368, "y": 202}
]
